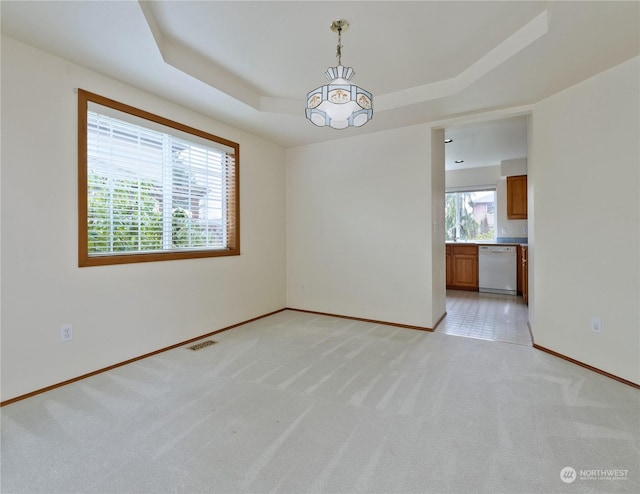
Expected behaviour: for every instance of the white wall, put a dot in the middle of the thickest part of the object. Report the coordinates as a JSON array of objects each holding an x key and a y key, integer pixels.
[
  {"x": 531, "y": 201},
  {"x": 359, "y": 227},
  {"x": 584, "y": 167},
  {"x": 117, "y": 312},
  {"x": 512, "y": 167},
  {"x": 507, "y": 227},
  {"x": 472, "y": 177},
  {"x": 438, "y": 256}
]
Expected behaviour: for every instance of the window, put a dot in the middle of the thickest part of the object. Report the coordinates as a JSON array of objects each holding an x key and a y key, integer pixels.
[
  {"x": 150, "y": 189},
  {"x": 470, "y": 215}
]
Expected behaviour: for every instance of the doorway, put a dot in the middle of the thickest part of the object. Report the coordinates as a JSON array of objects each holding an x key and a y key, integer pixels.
[{"x": 478, "y": 158}]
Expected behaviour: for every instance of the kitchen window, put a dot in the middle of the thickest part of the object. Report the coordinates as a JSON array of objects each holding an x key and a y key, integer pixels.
[
  {"x": 470, "y": 215},
  {"x": 151, "y": 189}
]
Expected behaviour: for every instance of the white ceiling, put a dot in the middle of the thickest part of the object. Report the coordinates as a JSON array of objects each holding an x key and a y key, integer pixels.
[
  {"x": 251, "y": 64},
  {"x": 486, "y": 143}
]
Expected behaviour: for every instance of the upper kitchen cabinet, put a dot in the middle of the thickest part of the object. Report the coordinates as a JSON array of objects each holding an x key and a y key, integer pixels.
[{"x": 517, "y": 197}]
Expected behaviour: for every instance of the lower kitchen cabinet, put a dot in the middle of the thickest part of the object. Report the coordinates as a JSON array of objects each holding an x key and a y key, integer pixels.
[
  {"x": 462, "y": 266},
  {"x": 448, "y": 268}
]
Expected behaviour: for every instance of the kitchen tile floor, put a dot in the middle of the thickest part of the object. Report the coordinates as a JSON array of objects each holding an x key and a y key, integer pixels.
[{"x": 486, "y": 316}]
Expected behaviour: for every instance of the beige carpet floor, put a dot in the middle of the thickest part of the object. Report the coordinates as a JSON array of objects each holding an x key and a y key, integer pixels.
[{"x": 300, "y": 403}]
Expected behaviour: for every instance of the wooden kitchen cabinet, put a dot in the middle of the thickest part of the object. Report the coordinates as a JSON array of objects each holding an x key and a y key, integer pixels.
[
  {"x": 462, "y": 267},
  {"x": 448, "y": 269},
  {"x": 517, "y": 197},
  {"x": 524, "y": 272}
]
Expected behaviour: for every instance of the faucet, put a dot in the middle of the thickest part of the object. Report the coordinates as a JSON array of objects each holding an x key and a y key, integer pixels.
[{"x": 454, "y": 231}]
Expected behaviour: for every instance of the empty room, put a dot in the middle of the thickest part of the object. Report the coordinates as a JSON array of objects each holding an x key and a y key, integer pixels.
[{"x": 320, "y": 247}]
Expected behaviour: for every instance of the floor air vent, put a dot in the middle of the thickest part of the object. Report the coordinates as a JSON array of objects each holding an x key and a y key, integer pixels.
[{"x": 201, "y": 345}]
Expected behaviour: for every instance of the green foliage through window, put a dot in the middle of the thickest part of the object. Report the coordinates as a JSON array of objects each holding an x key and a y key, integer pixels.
[
  {"x": 123, "y": 216},
  {"x": 470, "y": 215}
]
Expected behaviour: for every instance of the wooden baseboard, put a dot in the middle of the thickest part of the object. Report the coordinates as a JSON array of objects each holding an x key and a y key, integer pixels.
[
  {"x": 374, "y": 321},
  {"x": 135, "y": 359},
  {"x": 386, "y": 323},
  {"x": 130, "y": 361},
  {"x": 533, "y": 343},
  {"x": 435, "y": 326},
  {"x": 587, "y": 366}
]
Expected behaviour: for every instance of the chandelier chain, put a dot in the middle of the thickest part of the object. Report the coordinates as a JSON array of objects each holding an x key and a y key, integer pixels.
[{"x": 339, "y": 47}]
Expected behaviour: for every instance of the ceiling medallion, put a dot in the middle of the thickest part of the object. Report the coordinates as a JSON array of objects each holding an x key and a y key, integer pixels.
[{"x": 339, "y": 104}]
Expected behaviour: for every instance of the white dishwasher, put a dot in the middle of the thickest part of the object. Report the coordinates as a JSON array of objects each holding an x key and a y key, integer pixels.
[{"x": 497, "y": 269}]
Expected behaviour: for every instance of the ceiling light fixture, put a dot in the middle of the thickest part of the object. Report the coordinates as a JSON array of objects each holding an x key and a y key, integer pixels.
[
  {"x": 448, "y": 140},
  {"x": 339, "y": 104},
  {"x": 459, "y": 161}
]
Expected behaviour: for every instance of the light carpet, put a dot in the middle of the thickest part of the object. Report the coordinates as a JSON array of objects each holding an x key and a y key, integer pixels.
[{"x": 301, "y": 403}]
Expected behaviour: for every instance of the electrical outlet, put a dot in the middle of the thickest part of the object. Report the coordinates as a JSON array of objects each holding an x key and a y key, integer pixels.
[
  {"x": 596, "y": 325},
  {"x": 66, "y": 332}
]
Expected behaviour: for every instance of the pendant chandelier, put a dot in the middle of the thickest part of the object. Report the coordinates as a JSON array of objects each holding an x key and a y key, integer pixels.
[{"x": 339, "y": 104}]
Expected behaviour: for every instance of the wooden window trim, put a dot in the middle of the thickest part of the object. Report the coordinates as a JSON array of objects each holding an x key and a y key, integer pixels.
[{"x": 233, "y": 203}]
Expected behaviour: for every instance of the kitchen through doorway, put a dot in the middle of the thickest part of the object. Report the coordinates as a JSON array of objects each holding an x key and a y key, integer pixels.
[{"x": 482, "y": 162}]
